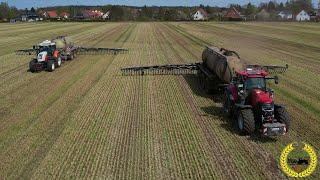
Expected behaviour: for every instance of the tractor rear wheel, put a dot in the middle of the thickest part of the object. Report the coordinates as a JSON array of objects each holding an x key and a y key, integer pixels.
[
  {"x": 59, "y": 62},
  {"x": 246, "y": 122},
  {"x": 50, "y": 66},
  {"x": 32, "y": 64},
  {"x": 282, "y": 116}
]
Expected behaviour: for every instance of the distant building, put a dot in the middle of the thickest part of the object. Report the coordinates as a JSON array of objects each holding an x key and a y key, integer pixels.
[
  {"x": 29, "y": 17},
  {"x": 303, "y": 16},
  {"x": 92, "y": 14},
  {"x": 51, "y": 15},
  {"x": 200, "y": 15},
  {"x": 65, "y": 15},
  {"x": 285, "y": 15},
  {"x": 106, "y": 16},
  {"x": 232, "y": 15}
]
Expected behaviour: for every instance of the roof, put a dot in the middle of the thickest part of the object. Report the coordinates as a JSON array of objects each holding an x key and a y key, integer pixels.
[
  {"x": 64, "y": 14},
  {"x": 52, "y": 14},
  {"x": 92, "y": 13},
  {"x": 46, "y": 43},
  {"x": 233, "y": 13},
  {"x": 203, "y": 12},
  {"x": 286, "y": 12}
]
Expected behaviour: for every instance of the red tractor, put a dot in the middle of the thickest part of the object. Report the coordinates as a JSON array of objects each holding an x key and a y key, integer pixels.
[{"x": 251, "y": 103}]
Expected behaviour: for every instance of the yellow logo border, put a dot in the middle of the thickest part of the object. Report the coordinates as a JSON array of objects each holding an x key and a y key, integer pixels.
[{"x": 307, "y": 172}]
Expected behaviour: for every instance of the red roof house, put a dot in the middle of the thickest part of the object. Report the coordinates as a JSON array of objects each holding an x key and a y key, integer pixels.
[
  {"x": 65, "y": 15},
  {"x": 51, "y": 14},
  {"x": 92, "y": 14},
  {"x": 232, "y": 15}
]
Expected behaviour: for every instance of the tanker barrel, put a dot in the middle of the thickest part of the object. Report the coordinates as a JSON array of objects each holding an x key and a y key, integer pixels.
[{"x": 222, "y": 62}]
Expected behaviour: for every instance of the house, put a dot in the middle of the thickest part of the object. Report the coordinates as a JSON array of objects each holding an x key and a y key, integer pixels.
[
  {"x": 200, "y": 14},
  {"x": 232, "y": 15},
  {"x": 285, "y": 15},
  {"x": 65, "y": 15},
  {"x": 29, "y": 17},
  {"x": 51, "y": 15},
  {"x": 106, "y": 15},
  {"x": 92, "y": 14},
  {"x": 303, "y": 16},
  {"x": 263, "y": 15}
]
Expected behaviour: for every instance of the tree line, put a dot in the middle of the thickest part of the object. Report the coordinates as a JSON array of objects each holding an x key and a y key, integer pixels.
[{"x": 163, "y": 13}]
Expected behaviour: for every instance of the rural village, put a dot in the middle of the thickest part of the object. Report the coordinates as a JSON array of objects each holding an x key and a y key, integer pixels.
[{"x": 271, "y": 11}]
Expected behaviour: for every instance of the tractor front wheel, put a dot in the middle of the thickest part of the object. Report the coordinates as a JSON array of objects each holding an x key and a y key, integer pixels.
[
  {"x": 246, "y": 122},
  {"x": 50, "y": 66},
  {"x": 32, "y": 67},
  {"x": 282, "y": 116}
]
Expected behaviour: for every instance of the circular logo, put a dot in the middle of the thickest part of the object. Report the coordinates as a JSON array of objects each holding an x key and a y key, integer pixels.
[{"x": 286, "y": 163}]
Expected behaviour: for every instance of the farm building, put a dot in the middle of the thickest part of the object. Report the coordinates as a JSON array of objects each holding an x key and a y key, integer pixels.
[
  {"x": 232, "y": 15},
  {"x": 200, "y": 15},
  {"x": 303, "y": 16},
  {"x": 285, "y": 15}
]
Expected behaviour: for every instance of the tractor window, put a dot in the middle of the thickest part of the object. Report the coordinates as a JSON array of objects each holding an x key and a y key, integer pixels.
[{"x": 255, "y": 83}]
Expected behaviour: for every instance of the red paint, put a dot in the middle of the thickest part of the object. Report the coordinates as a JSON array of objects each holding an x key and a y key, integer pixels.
[
  {"x": 260, "y": 96},
  {"x": 56, "y": 54},
  {"x": 233, "y": 90}
]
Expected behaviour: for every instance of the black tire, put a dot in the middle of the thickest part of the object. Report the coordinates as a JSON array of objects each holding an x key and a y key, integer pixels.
[
  {"x": 227, "y": 105},
  {"x": 248, "y": 122},
  {"x": 282, "y": 116},
  {"x": 51, "y": 66},
  {"x": 32, "y": 67}
]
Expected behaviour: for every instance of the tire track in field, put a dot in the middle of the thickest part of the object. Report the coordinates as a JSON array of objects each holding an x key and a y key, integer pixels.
[
  {"x": 257, "y": 151},
  {"x": 36, "y": 78},
  {"x": 25, "y": 66},
  {"x": 209, "y": 135},
  {"x": 73, "y": 154},
  {"x": 45, "y": 149},
  {"x": 311, "y": 125}
]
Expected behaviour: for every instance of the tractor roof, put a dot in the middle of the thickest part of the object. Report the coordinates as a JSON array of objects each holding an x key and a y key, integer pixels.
[
  {"x": 253, "y": 72},
  {"x": 46, "y": 43}
]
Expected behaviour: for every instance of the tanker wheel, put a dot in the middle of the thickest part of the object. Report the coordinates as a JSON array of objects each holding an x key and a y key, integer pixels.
[
  {"x": 59, "y": 62},
  {"x": 246, "y": 122},
  {"x": 201, "y": 80}
]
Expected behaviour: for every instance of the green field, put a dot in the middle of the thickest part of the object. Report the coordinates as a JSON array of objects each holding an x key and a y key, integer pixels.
[{"x": 85, "y": 120}]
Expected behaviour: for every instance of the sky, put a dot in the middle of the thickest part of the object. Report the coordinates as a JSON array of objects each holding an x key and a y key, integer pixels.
[{"x": 45, "y": 3}]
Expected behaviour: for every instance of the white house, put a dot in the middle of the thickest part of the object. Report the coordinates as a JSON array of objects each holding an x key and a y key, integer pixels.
[
  {"x": 106, "y": 15},
  {"x": 285, "y": 15},
  {"x": 200, "y": 15},
  {"x": 303, "y": 16}
]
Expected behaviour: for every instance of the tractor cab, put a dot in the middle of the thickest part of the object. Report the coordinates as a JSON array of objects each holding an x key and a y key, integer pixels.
[{"x": 46, "y": 46}]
